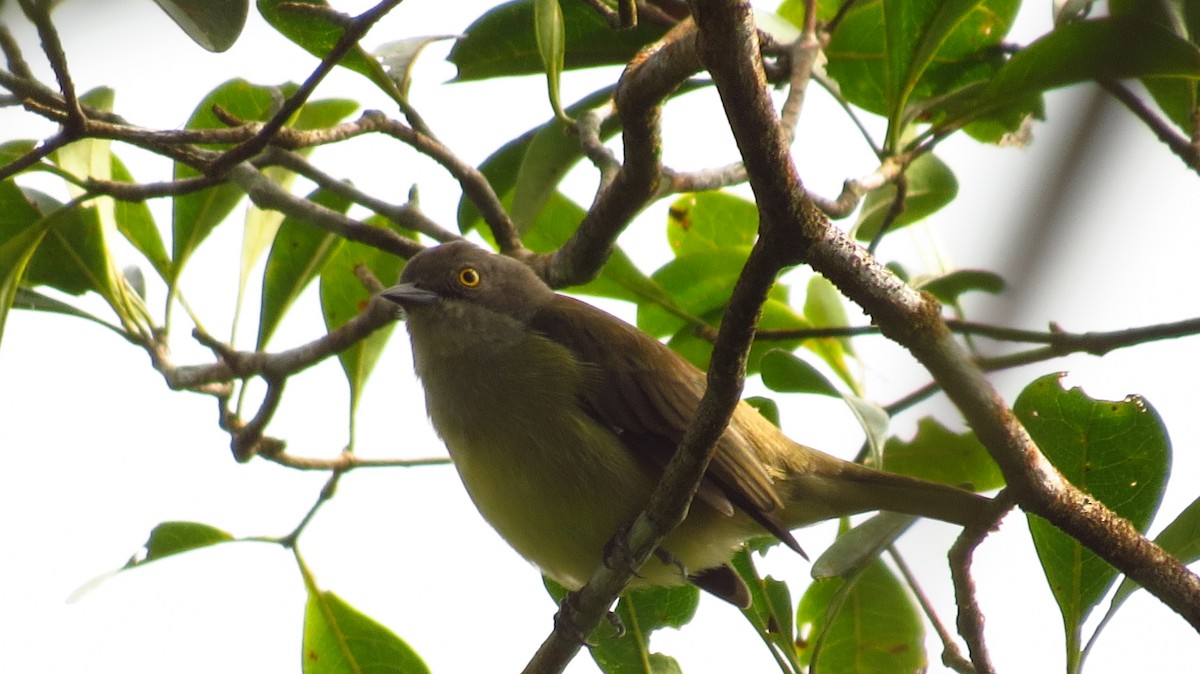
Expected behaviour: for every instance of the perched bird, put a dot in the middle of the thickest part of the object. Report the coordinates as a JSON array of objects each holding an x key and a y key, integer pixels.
[{"x": 560, "y": 419}]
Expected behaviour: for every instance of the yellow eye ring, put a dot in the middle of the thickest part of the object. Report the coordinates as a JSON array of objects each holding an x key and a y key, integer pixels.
[{"x": 469, "y": 277}]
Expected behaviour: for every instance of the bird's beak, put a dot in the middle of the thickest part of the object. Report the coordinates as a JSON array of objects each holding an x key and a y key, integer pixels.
[{"x": 408, "y": 294}]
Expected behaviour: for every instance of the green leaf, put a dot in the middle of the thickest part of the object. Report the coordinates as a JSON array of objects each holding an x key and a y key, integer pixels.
[
  {"x": 31, "y": 300},
  {"x": 766, "y": 407},
  {"x": 172, "y": 538},
  {"x": 399, "y": 56},
  {"x": 1117, "y": 452},
  {"x": 1083, "y": 51},
  {"x": 1178, "y": 98},
  {"x": 212, "y": 24},
  {"x": 703, "y": 222},
  {"x": 196, "y": 214},
  {"x": 136, "y": 223},
  {"x": 298, "y": 254},
  {"x": 823, "y": 308},
  {"x": 501, "y": 43},
  {"x": 548, "y": 31},
  {"x": 874, "y": 421},
  {"x": 261, "y": 225},
  {"x": 770, "y": 611},
  {"x": 73, "y": 257},
  {"x": 931, "y": 185},
  {"x": 950, "y": 287},
  {"x": 785, "y": 372},
  {"x": 343, "y": 297},
  {"x": 938, "y": 454},
  {"x": 1181, "y": 539},
  {"x": 854, "y": 550},
  {"x": 873, "y": 627},
  {"x": 317, "y": 34},
  {"x": 339, "y": 639},
  {"x": 776, "y": 315},
  {"x": 13, "y": 150},
  {"x": 526, "y": 171},
  {"x": 698, "y": 283},
  {"x": 888, "y": 56},
  {"x": 21, "y": 231}
]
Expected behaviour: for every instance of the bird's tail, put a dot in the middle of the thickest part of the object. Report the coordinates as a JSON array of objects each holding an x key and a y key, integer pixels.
[{"x": 844, "y": 488}]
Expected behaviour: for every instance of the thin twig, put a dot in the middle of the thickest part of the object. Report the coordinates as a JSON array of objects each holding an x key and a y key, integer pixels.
[
  {"x": 970, "y": 616},
  {"x": 347, "y": 461},
  {"x": 1176, "y": 142},
  {"x": 351, "y": 34},
  {"x": 39, "y": 14},
  {"x": 952, "y": 657},
  {"x": 474, "y": 184},
  {"x": 405, "y": 215},
  {"x": 644, "y": 85}
]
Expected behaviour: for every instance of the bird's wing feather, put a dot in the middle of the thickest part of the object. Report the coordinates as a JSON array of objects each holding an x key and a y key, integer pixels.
[{"x": 650, "y": 400}]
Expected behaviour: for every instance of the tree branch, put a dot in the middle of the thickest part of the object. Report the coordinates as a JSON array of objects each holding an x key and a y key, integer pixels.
[
  {"x": 913, "y": 320},
  {"x": 647, "y": 81}
]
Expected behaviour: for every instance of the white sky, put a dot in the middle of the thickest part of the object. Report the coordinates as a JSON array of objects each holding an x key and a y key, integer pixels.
[{"x": 98, "y": 450}]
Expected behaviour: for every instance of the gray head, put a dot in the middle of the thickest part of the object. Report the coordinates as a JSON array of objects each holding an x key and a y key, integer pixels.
[{"x": 461, "y": 271}]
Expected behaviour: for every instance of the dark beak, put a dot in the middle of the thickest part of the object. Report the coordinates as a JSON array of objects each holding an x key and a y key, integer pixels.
[{"x": 408, "y": 294}]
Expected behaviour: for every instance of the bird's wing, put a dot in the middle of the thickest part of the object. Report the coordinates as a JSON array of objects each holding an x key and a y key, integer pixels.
[{"x": 648, "y": 395}]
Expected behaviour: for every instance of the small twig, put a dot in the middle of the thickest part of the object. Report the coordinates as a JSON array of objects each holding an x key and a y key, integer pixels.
[
  {"x": 352, "y": 33},
  {"x": 970, "y": 616},
  {"x": 327, "y": 492},
  {"x": 267, "y": 195},
  {"x": 474, "y": 185},
  {"x": 1185, "y": 150},
  {"x": 143, "y": 191},
  {"x": 35, "y": 155},
  {"x": 405, "y": 215},
  {"x": 895, "y": 209},
  {"x": 952, "y": 657},
  {"x": 39, "y": 14},
  {"x": 1059, "y": 344},
  {"x": 589, "y": 126},
  {"x": 804, "y": 52},
  {"x": 347, "y": 461},
  {"x": 645, "y": 84},
  {"x": 607, "y": 13},
  {"x": 12, "y": 54}
]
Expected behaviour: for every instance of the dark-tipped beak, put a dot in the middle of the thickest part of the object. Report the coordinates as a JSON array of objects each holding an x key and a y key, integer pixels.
[{"x": 407, "y": 294}]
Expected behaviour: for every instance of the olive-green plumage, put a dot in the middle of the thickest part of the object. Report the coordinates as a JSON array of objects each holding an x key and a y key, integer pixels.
[{"x": 560, "y": 418}]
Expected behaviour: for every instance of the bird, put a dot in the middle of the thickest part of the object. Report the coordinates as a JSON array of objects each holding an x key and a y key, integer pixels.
[{"x": 560, "y": 419}]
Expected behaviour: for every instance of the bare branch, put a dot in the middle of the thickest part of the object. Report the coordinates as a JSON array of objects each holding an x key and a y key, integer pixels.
[
  {"x": 1181, "y": 146},
  {"x": 951, "y": 656},
  {"x": 913, "y": 320},
  {"x": 405, "y": 215},
  {"x": 39, "y": 14},
  {"x": 267, "y": 195},
  {"x": 474, "y": 185},
  {"x": 647, "y": 81},
  {"x": 353, "y": 31},
  {"x": 970, "y": 617}
]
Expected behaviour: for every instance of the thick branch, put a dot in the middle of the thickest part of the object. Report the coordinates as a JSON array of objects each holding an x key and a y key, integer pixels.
[
  {"x": 913, "y": 320},
  {"x": 644, "y": 85}
]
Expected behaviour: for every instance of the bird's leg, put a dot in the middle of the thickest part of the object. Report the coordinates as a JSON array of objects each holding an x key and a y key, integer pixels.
[{"x": 615, "y": 621}]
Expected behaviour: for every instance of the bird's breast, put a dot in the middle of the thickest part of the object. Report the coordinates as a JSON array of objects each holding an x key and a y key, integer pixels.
[{"x": 548, "y": 477}]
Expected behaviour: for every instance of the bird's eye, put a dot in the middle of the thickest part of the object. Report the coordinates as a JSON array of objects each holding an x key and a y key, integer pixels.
[{"x": 469, "y": 277}]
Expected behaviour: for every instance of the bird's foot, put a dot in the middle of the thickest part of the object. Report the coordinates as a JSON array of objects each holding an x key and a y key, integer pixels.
[
  {"x": 668, "y": 559},
  {"x": 616, "y": 552},
  {"x": 565, "y": 621}
]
